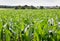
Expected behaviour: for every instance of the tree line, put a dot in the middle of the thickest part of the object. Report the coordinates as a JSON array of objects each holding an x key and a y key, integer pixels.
[{"x": 30, "y": 7}]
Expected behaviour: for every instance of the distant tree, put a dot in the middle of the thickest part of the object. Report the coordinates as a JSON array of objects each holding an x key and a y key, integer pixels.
[
  {"x": 19, "y": 7},
  {"x": 27, "y": 7},
  {"x": 41, "y": 7},
  {"x": 32, "y": 7},
  {"x": 59, "y": 7},
  {"x": 56, "y": 6},
  {"x": 22, "y": 7},
  {"x": 16, "y": 7}
]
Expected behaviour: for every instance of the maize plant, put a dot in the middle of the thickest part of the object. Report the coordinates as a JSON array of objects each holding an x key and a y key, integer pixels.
[{"x": 30, "y": 25}]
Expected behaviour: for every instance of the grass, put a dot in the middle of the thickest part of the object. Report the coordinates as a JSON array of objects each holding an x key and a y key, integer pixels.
[{"x": 30, "y": 25}]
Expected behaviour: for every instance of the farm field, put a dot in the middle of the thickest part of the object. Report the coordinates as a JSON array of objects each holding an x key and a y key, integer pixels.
[{"x": 30, "y": 25}]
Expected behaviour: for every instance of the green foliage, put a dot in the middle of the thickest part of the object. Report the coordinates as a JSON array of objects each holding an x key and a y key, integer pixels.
[{"x": 30, "y": 25}]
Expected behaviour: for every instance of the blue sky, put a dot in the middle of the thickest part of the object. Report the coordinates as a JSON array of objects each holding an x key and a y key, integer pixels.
[{"x": 30, "y": 2}]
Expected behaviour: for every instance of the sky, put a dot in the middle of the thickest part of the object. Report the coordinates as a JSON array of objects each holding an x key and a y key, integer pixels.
[{"x": 30, "y": 2}]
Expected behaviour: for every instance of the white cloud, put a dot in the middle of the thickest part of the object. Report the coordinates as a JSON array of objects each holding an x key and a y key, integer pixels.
[{"x": 30, "y": 2}]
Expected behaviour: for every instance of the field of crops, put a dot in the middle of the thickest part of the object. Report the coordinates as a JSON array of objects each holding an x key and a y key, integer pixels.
[{"x": 30, "y": 25}]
